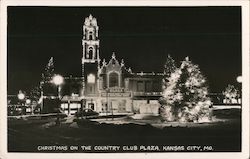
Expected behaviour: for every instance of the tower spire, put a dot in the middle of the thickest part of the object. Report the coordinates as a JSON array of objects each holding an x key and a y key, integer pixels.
[{"x": 113, "y": 55}]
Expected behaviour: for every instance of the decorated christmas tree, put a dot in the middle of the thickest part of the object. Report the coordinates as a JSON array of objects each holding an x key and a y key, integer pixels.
[
  {"x": 47, "y": 75},
  {"x": 35, "y": 93},
  {"x": 169, "y": 68},
  {"x": 186, "y": 97},
  {"x": 231, "y": 94},
  {"x": 49, "y": 70},
  {"x": 35, "y": 96},
  {"x": 168, "y": 81}
]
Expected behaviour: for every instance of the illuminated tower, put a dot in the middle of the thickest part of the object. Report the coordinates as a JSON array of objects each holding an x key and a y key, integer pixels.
[{"x": 90, "y": 56}]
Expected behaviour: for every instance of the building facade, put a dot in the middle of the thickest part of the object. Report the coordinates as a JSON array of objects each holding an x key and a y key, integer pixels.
[{"x": 108, "y": 86}]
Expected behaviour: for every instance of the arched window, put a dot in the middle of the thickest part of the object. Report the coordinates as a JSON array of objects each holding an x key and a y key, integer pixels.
[
  {"x": 90, "y": 53},
  {"x": 90, "y": 35},
  {"x": 113, "y": 79}
]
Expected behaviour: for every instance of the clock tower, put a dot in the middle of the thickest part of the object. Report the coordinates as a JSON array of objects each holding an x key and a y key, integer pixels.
[{"x": 90, "y": 56}]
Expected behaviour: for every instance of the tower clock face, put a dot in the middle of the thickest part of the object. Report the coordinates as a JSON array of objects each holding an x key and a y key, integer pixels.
[{"x": 91, "y": 78}]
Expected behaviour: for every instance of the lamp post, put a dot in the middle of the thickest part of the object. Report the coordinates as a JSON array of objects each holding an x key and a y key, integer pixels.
[
  {"x": 58, "y": 80},
  {"x": 21, "y": 97},
  {"x": 239, "y": 79}
]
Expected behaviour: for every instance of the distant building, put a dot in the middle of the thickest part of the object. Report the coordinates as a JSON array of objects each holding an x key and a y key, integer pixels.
[
  {"x": 16, "y": 106},
  {"x": 108, "y": 87}
]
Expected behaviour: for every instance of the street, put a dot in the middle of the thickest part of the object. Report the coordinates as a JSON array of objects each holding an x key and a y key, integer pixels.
[{"x": 223, "y": 135}]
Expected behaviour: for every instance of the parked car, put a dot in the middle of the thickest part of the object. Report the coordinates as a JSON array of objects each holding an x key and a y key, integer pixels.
[{"x": 86, "y": 113}]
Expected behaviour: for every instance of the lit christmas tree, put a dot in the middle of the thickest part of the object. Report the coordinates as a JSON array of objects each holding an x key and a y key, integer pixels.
[
  {"x": 35, "y": 93},
  {"x": 47, "y": 76},
  {"x": 195, "y": 103},
  {"x": 186, "y": 95},
  {"x": 169, "y": 68},
  {"x": 231, "y": 94},
  {"x": 49, "y": 70},
  {"x": 168, "y": 83}
]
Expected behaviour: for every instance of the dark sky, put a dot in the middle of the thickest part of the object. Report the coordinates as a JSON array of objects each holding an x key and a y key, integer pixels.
[{"x": 142, "y": 36}]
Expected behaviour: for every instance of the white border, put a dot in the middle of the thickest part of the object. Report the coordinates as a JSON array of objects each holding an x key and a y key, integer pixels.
[{"x": 245, "y": 69}]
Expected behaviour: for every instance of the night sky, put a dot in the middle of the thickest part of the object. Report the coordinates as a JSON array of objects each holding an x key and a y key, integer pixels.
[{"x": 142, "y": 36}]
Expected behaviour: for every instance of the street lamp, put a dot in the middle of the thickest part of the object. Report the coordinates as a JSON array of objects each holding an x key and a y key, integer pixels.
[
  {"x": 239, "y": 79},
  {"x": 21, "y": 97},
  {"x": 58, "y": 80},
  {"x": 28, "y": 101}
]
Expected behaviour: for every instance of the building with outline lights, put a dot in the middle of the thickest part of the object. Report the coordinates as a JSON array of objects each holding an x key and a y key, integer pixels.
[{"x": 108, "y": 86}]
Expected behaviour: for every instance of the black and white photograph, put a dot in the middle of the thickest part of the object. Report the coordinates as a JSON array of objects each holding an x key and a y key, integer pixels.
[{"x": 125, "y": 79}]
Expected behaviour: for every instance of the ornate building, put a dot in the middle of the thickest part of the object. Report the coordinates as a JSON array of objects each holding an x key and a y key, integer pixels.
[{"x": 108, "y": 87}]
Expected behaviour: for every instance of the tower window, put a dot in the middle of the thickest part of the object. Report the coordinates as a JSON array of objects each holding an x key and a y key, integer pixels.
[
  {"x": 90, "y": 53},
  {"x": 113, "y": 79},
  {"x": 91, "y": 78},
  {"x": 90, "y": 35}
]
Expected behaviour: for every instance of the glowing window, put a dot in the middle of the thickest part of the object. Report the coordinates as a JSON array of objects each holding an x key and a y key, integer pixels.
[{"x": 91, "y": 78}]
